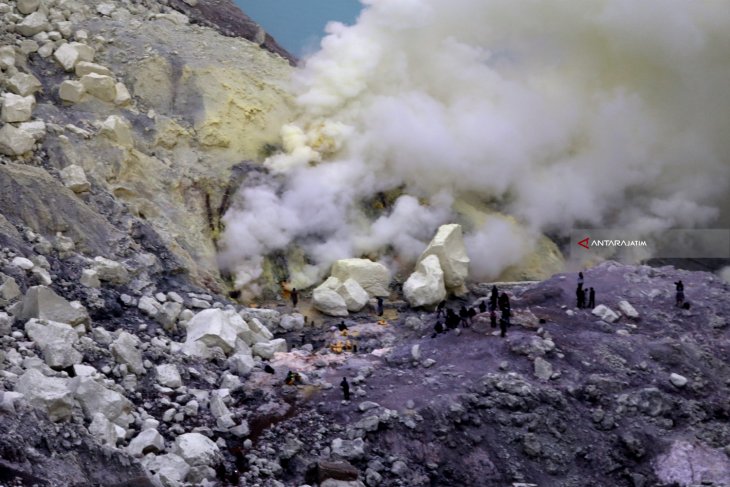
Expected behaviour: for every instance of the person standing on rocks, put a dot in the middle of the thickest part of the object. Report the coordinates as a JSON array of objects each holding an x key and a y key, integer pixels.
[
  {"x": 440, "y": 309},
  {"x": 437, "y": 328},
  {"x": 504, "y": 305},
  {"x": 580, "y": 297},
  {"x": 294, "y": 297},
  {"x": 592, "y": 298},
  {"x": 345, "y": 388},
  {"x": 503, "y": 323},
  {"x": 482, "y": 306},
  {"x": 380, "y": 306},
  {"x": 452, "y": 319},
  {"x": 580, "y": 280},
  {"x": 464, "y": 316},
  {"x": 493, "y": 297},
  {"x": 493, "y": 318}
]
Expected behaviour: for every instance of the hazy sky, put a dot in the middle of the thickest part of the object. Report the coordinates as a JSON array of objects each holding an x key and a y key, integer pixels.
[{"x": 298, "y": 25}]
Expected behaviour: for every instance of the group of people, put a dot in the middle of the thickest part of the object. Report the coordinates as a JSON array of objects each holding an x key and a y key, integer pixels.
[
  {"x": 586, "y": 298},
  {"x": 452, "y": 320}
]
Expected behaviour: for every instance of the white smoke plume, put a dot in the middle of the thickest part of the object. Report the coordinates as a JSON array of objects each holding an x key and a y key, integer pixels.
[{"x": 558, "y": 112}]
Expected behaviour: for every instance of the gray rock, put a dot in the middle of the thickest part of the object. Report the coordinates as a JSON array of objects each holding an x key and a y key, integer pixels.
[
  {"x": 543, "y": 369},
  {"x": 43, "y": 303},
  {"x": 51, "y": 394},
  {"x": 125, "y": 351},
  {"x": 148, "y": 441}
]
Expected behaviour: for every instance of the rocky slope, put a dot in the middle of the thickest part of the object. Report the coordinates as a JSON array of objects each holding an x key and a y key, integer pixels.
[{"x": 123, "y": 361}]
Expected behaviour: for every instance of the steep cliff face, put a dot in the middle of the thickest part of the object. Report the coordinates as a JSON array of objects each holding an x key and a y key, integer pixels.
[{"x": 156, "y": 107}]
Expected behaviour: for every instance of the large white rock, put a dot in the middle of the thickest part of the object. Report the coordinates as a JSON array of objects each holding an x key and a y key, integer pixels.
[
  {"x": 170, "y": 469},
  {"x": 605, "y": 313},
  {"x": 448, "y": 246},
  {"x": 15, "y": 141},
  {"x": 74, "y": 178},
  {"x": 84, "y": 67},
  {"x": 71, "y": 91},
  {"x": 32, "y": 24},
  {"x": 241, "y": 363},
  {"x": 148, "y": 441},
  {"x": 372, "y": 276},
  {"x": 7, "y": 57},
  {"x": 354, "y": 295},
  {"x": 100, "y": 86},
  {"x": 17, "y": 108},
  {"x": 23, "y": 84},
  {"x": 50, "y": 394},
  {"x": 6, "y": 324},
  {"x": 42, "y": 303},
  {"x": 326, "y": 299},
  {"x": 168, "y": 376},
  {"x": 67, "y": 56},
  {"x": 628, "y": 310},
  {"x": 9, "y": 290},
  {"x": 217, "y": 328},
  {"x": 267, "y": 350},
  {"x": 117, "y": 129},
  {"x": 95, "y": 398},
  {"x": 425, "y": 287},
  {"x": 125, "y": 350},
  {"x": 103, "y": 430},
  {"x": 56, "y": 341},
  {"x": 110, "y": 271},
  {"x": 197, "y": 450},
  {"x": 26, "y": 7}
]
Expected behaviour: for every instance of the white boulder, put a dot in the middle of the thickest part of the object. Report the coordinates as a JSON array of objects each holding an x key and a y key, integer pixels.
[
  {"x": 50, "y": 394},
  {"x": 17, "y": 108},
  {"x": 15, "y": 141},
  {"x": 241, "y": 363},
  {"x": 32, "y": 24},
  {"x": 448, "y": 246},
  {"x": 117, "y": 128},
  {"x": 148, "y": 441},
  {"x": 425, "y": 287},
  {"x": 95, "y": 398},
  {"x": 197, "y": 450},
  {"x": 74, "y": 178},
  {"x": 67, "y": 56},
  {"x": 9, "y": 290},
  {"x": 326, "y": 299},
  {"x": 101, "y": 86},
  {"x": 605, "y": 313},
  {"x": 23, "y": 84},
  {"x": 84, "y": 67},
  {"x": 267, "y": 350},
  {"x": 110, "y": 271},
  {"x": 56, "y": 341},
  {"x": 372, "y": 276},
  {"x": 168, "y": 376},
  {"x": 294, "y": 321},
  {"x": 71, "y": 91},
  {"x": 170, "y": 469},
  {"x": 628, "y": 310},
  {"x": 217, "y": 328},
  {"x": 90, "y": 278},
  {"x": 677, "y": 380},
  {"x": 103, "y": 430},
  {"x": 43, "y": 303},
  {"x": 26, "y": 7},
  {"x": 125, "y": 350},
  {"x": 354, "y": 295}
]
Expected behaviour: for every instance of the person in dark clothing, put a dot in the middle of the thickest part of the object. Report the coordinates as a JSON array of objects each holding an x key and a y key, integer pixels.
[
  {"x": 380, "y": 306},
  {"x": 440, "y": 309},
  {"x": 493, "y": 298},
  {"x": 437, "y": 328},
  {"x": 345, "y": 388},
  {"x": 585, "y": 298},
  {"x": 504, "y": 305},
  {"x": 503, "y": 323},
  {"x": 294, "y": 297},
  {"x": 493, "y": 318},
  {"x": 464, "y": 316},
  {"x": 452, "y": 319},
  {"x": 680, "y": 296},
  {"x": 592, "y": 298},
  {"x": 580, "y": 280},
  {"x": 472, "y": 314},
  {"x": 580, "y": 298},
  {"x": 342, "y": 326},
  {"x": 482, "y": 306},
  {"x": 679, "y": 285}
]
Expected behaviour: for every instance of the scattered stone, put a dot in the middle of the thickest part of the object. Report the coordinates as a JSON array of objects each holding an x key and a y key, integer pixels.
[
  {"x": 543, "y": 368},
  {"x": 71, "y": 91},
  {"x": 678, "y": 380},
  {"x": 43, "y": 303},
  {"x": 148, "y": 441},
  {"x": 33, "y": 24},
  {"x": 196, "y": 450},
  {"x": 628, "y": 310},
  {"x": 605, "y": 313},
  {"x": 74, "y": 178},
  {"x": 125, "y": 351},
  {"x": 100, "y": 86},
  {"x": 24, "y": 84},
  {"x": 168, "y": 376},
  {"x": 15, "y": 141},
  {"x": 111, "y": 271},
  {"x": 50, "y": 394}
]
